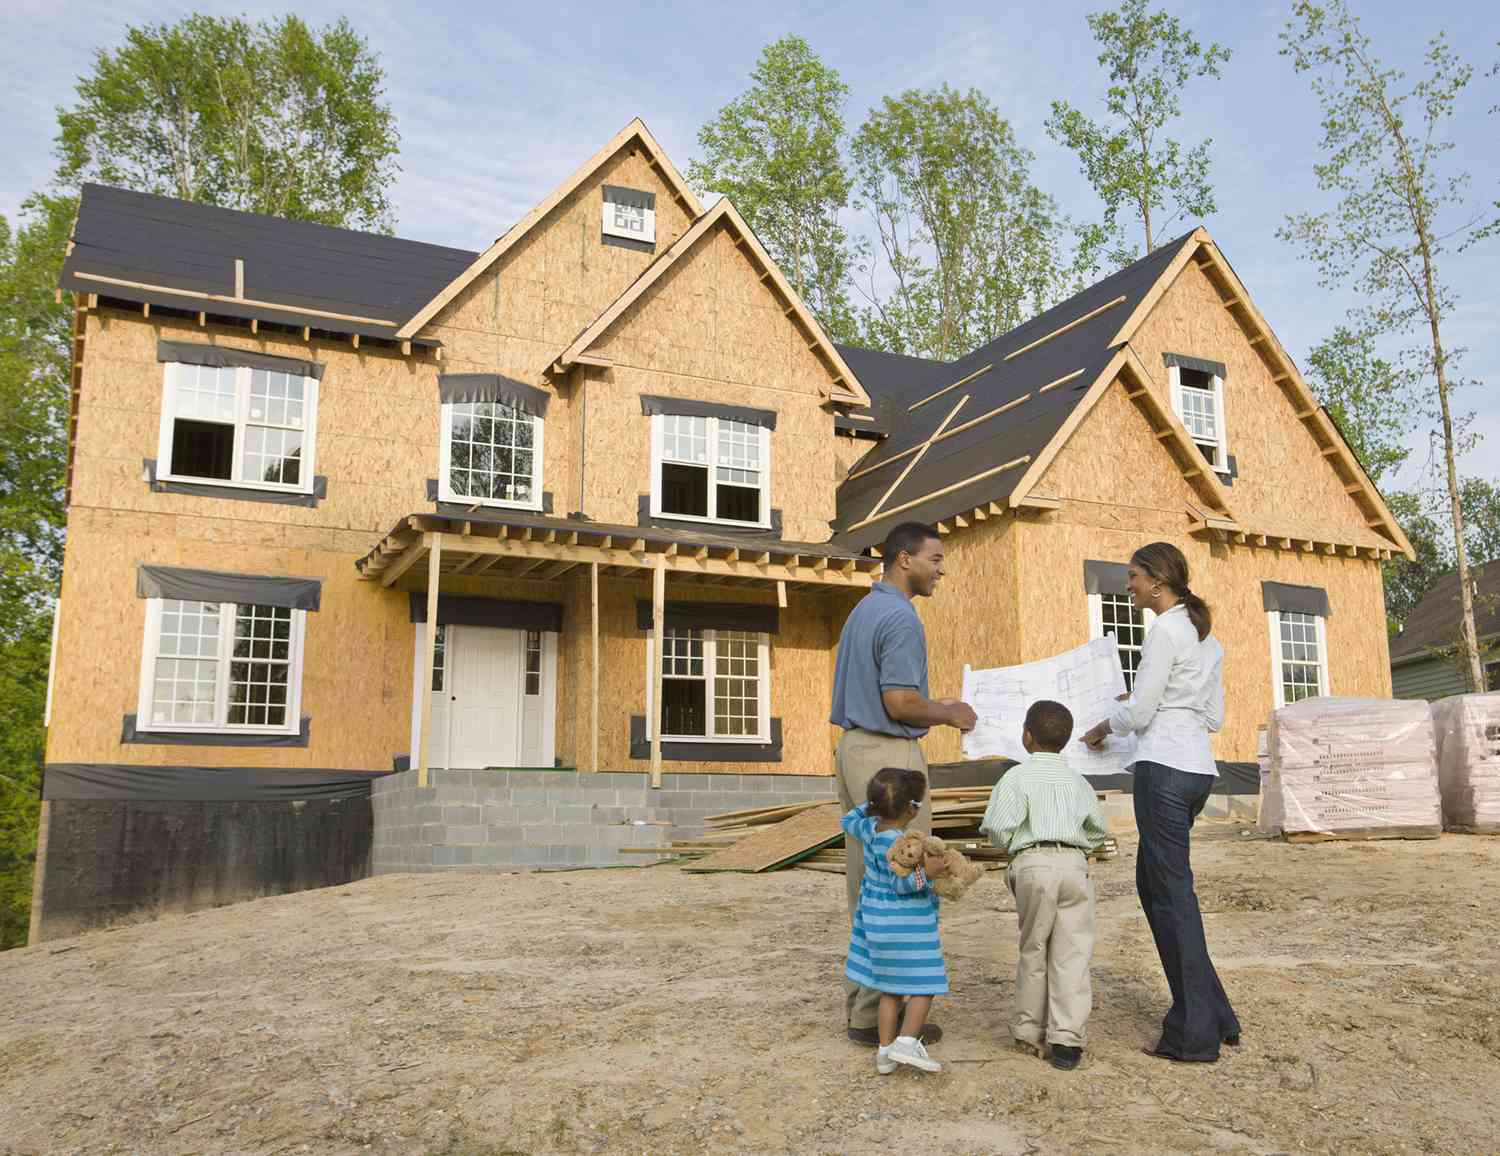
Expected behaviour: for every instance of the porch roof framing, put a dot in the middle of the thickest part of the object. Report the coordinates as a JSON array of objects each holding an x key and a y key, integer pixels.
[{"x": 501, "y": 548}]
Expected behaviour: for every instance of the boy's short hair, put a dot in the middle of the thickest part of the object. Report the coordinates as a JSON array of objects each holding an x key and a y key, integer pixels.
[
  {"x": 1050, "y": 724},
  {"x": 893, "y": 790},
  {"x": 908, "y": 537}
]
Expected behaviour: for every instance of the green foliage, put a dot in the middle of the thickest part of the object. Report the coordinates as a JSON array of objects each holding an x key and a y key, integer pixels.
[
  {"x": 970, "y": 247},
  {"x": 1399, "y": 209},
  {"x": 1424, "y": 517},
  {"x": 1368, "y": 398},
  {"x": 1134, "y": 167},
  {"x": 272, "y": 117},
  {"x": 776, "y": 152},
  {"x": 34, "y": 340}
]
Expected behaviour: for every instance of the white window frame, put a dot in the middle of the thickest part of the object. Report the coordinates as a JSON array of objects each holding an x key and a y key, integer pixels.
[
  {"x": 710, "y": 657},
  {"x": 242, "y": 373},
  {"x": 445, "y": 453},
  {"x": 659, "y": 458},
  {"x": 1220, "y": 461},
  {"x": 220, "y": 725},
  {"x": 1278, "y": 690},
  {"x": 1096, "y": 620}
]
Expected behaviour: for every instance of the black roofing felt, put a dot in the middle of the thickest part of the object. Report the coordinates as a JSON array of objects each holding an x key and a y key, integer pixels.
[
  {"x": 900, "y": 382},
  {"x": 182, "y": 245}
]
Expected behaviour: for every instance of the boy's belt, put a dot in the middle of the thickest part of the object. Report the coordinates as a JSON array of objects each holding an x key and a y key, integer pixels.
[{"x": 1048, "y": 843}]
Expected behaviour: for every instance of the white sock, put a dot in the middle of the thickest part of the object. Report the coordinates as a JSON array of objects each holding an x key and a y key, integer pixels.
[{"x": 908, "y": 1039}]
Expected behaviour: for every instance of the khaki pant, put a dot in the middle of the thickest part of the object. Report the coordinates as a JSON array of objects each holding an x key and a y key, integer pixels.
[
  {"x": 1055, "y": 908},
  {"x": 860, "y": 755}
]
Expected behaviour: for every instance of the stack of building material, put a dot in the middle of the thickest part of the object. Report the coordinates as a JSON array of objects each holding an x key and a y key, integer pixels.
[
  {"x": 1344, "y": 768},
  {"x": 770, "y": 838},
  {"x": 1468, "y": 751}
]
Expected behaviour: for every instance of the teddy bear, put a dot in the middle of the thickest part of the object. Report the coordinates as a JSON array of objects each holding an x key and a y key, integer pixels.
[{"x": 909, "y": 851}]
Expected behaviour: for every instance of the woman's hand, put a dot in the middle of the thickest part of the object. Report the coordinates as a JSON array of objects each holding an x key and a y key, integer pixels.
[
  {"x": 935, "y": 865},
  {"x": 1095, "y": 737}
]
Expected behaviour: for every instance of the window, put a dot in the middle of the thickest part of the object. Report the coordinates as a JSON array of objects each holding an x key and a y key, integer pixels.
[
  {"x": 1492, "y": 676},
  {"x": 533, "y": 662},
  {"x": 1113, "y": 614},
  {"x": 492, "y": 455},
  {"x": 1198, "y": 398},
  {"x": 439, "y": 657},
  {"x": 714, "y": 685},
  {"x": 237, "y": 426},
  {"x": 221, "y": 666},
  {"x": 1299, "y": 656},
  {"x": 710, "y": 469}
]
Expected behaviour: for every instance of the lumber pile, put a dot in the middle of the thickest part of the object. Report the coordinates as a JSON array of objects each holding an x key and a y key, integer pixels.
[
  {"x": 1468, "y": 752},
  {"x": 1344, "y": 768},
  {"x": 808, "y": 835}
]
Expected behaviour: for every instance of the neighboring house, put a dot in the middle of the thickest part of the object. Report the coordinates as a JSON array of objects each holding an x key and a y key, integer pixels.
[
  {"x": 1424, "y": 663},
  {"x": 341, "y": 503}
]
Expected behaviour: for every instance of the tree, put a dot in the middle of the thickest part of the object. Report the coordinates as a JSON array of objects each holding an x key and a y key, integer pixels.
[
  {"x": 271, "y": 117},
  {"x": 1367, "y": 397},
  {"x": 1384, "y": 151},
  {"x": 1407, "y": 581},
  {"x": 971, "y": 247},
  {"x": 1150, "y": 58},
  {"x": 776, "y": 152},
  {"x": 35, "y": 338}
]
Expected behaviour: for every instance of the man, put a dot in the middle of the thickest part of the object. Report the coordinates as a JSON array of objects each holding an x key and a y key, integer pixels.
[{"x": 880, "y": 699}]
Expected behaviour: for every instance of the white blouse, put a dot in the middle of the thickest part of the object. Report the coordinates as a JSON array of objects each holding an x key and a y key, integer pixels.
[{"x": 1178, "y": 696}]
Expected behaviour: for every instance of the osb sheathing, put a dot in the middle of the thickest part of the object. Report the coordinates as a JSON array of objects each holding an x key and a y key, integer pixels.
[
  {"x": 1120, "y": 490},
  {"x": 1284, "y": 481},
  {"x": 710, "y": 329}
]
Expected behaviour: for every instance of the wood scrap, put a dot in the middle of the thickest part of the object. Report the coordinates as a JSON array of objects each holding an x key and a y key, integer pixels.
[{"x": 780, "y": 844}]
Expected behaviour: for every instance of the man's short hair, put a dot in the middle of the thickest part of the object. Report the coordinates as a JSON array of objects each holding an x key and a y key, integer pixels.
[
  {"x": 908, "y": 536},
  {"x": 1050, "y": 724}
]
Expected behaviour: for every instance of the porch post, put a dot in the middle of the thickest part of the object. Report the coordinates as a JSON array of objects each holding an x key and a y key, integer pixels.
[
  {"x": 429, "y": 651},
  {"x": 658, "y": 616},
  {"x": 594, "y": 703}
]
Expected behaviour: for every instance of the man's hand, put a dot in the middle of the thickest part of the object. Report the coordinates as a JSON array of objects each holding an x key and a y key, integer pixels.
[
  {"x": 934, "y": 866},
  {"x": 961, "y": 714}
]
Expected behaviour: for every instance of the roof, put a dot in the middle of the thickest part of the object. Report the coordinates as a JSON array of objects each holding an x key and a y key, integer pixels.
[
  {"x": 181, "y": 254},
  {"x": 1434, "y": 621},
  {"x": 994, "y": 410}
]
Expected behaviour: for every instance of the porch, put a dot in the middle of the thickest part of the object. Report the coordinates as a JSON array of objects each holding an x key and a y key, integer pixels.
[{"x": 450, "y": 555}]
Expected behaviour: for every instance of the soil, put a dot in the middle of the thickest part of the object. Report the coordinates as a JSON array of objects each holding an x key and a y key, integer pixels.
[{"x": 646, "y": 1010}]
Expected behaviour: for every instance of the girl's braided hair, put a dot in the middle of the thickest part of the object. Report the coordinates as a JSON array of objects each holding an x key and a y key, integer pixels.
[{"x": 893, "y": 790}]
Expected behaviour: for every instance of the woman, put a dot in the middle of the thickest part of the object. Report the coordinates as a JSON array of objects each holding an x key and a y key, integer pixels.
[{"x": 1177, "y": 699}]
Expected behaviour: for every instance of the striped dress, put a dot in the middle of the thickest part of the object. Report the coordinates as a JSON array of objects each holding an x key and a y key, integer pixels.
[{"x": 894, "y": 946}]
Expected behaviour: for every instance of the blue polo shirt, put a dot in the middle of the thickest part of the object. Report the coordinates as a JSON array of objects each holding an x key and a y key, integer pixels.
[{"x": 883, "y": 647}]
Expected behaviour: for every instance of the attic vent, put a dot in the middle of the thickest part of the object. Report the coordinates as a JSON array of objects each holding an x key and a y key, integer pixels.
[{"x": 629, "y": 217}]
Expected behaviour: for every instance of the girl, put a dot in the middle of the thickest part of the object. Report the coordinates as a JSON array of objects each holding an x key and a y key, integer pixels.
[
  {"x": 894, "y": 947},
  {"x": 1178, "y": 701}
]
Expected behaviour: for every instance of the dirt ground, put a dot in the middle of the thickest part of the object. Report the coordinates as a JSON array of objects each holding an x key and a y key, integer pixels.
[{"x": 650, "y": 1011}]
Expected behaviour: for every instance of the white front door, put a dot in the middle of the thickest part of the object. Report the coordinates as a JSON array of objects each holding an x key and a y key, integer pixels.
[{"x": 493, "y": 698}]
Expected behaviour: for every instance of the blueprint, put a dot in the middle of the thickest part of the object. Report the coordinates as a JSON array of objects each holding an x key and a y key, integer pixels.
[{"x": 1086, "y": 680}]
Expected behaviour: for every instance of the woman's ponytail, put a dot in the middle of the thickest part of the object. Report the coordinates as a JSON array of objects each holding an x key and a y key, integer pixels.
[{"x": 1164, "y": 563}]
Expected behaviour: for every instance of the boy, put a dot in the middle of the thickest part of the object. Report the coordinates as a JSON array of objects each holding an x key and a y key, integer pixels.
[{"x": 1047, "y": 816}]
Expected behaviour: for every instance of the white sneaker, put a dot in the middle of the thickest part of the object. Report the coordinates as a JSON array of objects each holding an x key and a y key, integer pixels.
[
  {"x": 883, "y": 1062},
  {"x": 909, "y": 1050}
]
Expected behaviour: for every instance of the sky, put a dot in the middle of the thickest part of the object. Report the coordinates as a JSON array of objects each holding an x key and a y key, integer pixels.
[{"x": 498, "y": 103}]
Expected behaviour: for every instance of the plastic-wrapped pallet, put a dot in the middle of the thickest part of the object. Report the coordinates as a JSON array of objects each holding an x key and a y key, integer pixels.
[
  {"x": 1468, "y": 748},
  {"x": 1268, "y": 818},
  {"x": 1355, "y": 768}
]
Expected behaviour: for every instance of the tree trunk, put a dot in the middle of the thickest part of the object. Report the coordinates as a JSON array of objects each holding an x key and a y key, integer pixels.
[{"x": 1474, "y": 669}]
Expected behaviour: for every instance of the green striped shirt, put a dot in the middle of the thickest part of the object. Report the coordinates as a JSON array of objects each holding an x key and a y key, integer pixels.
[{"x": 1043, "y": 800}]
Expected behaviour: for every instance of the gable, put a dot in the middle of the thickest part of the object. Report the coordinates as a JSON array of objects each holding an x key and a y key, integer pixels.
[
  {"x": 1286, "y": 483},
  {"x": 633, "y": 143},
  {"x": 541, "y": 291}
]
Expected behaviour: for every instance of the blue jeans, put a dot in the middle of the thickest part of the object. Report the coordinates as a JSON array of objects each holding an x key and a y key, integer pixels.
[{"x": 1166, "y": 803}]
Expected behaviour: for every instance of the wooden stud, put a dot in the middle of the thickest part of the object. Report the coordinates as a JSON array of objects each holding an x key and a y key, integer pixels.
[
  {"x": 146, "y": 309},
  {"x": 354, "y": 340},
  {"x": 1051, "y": 385},
  {"x": 202, "y": 318},
  {"x": 307, "y": 333},
  {"x": 781, "y": 595},
  {"x": 942, "y": 528},
  {"x": 1061, "y": 329},
  {"x": 594, "y": 699},
  {"x": 979, "y": 477},
  {"x": 658, "y": 615},
  {"x": 429, "y": 651},
  {"x": 950, "y": 388},
  {"x": 197, "y": 295},
  {"x": 254, "y": 325},
  {"x": 921, "y": 452},
  {"x": 239, "y": 278}
]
